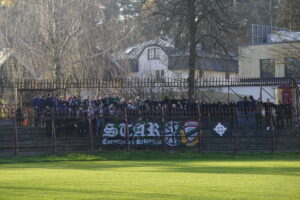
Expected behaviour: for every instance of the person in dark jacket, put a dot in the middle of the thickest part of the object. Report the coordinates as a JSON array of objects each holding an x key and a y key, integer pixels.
[
  {"x": 19, "y": 116},
  {"x": 49, "y": 101},
  {"x": 258, "y": 113},
  {"x": 288, "y": 113},
  {"x": 279, "y": 111},
  {"x": 36, "y": 103},
  {"x": 251, "y": 104},
  {"x": 99, "y": 118},
  {"x": 204, "y": 110},
  {"x": 48, "y": 121},
  {"x": 241, "y": 113},
  {"x": 268, "y": 111},
  {"x": 233, "y": 114},
  {"x": 55, "y": 101},
  {"x": 213, "y": 113}
]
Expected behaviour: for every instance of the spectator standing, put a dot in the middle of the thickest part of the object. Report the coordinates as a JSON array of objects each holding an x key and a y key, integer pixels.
[
  {"x": 233, "y": 114},
  {"x": 99, "y": 118},
  {"x": 279, "y": 111},
  {"x": 204, "y": 110},
  {"x": 251, "y": 105},
  {"x": 288, "y": 113},
  {"x": 19, "y": 116},
  {"x": 258, "y": 113},
  {"x": 241, "y": 113},
  {"x": 268, "y": 112},
  {"x": 48, "y": 121},
  {"x": 36, "y": 103}
]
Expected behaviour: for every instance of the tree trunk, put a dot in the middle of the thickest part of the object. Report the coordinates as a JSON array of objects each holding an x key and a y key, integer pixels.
[
  {"x": 58, "y": 68},
  {"x": 192, "y": 48}
]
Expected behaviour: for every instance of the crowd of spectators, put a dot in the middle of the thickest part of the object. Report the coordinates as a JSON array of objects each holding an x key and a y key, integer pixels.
[{"x": 75, "y": 114}]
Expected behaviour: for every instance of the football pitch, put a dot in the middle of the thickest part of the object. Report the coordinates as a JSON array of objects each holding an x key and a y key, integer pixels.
[{"x": 150, "y": 175}]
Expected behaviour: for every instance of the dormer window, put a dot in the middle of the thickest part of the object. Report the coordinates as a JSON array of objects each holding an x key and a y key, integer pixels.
[{"x": 153, "y": 54}]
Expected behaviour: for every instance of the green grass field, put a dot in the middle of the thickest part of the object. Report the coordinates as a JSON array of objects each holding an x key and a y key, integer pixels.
[{"x": 150, "y": 175}]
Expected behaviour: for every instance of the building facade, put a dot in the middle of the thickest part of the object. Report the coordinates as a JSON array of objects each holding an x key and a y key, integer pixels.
[
  {"x": 160, "y": 59},
  {"x": 270, "y": 60}
]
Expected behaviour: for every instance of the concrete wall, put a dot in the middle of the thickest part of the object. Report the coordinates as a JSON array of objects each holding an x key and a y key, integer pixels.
[{"x": 250, "y": 56}]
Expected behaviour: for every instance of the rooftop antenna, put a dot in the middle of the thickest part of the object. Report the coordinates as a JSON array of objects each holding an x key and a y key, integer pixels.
[
  {"x": 270, "y": 10},
  {"x": 290, "y": 17}
]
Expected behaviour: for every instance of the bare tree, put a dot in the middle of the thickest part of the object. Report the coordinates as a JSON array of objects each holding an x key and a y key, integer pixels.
[
  {"x": 288, "y": 51},
  {"x": 60, "y": 39},
  {"x": 209, "y": 23}
]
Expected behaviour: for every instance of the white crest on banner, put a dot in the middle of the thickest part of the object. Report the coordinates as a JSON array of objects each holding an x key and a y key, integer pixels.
[
  {"x": 170, "y": 133},
  {"x": 191, "y": 126},
  {"x": 220, "y": 129}
]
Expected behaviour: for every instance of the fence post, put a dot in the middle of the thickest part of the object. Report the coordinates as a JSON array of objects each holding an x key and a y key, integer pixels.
[
  {"x": 91, "y": 134},
  {"x": 236, "y": 145},
  {"x": 16, "y": 135},
  {"x": 127, "y": 130},
  {"x": 228, "y": 92},
  {"x": 273, "y": 141},
  {"x": 16, "y": 97},
  {"x": 163, "y": 129},
  {"x": 199, "y": 130},
  {"x": 53, "y": 131}
]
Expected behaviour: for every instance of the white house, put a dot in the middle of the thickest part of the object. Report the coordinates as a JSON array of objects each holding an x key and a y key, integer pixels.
[{"x": 159, "y": 58}]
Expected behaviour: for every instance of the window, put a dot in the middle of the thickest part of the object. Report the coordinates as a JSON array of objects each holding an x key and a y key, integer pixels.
[
  {"x": 292, "y": 67},
  {"x": 267, "y": 68},
  {"x": 159, "y": 74},
  {"x": 134, "y": 65},
  {"x": 153, "y": 54},
  {"x": 227, "y": 75},
  {"x": 201, "y": 74}
]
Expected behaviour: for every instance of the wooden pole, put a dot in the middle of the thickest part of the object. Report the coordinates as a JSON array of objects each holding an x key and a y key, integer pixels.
[
  {"x": 16, "y": 97},
  {"x": 273, "y": 141},
  {"x": 127, "y": 131},
  {"x": 163, "y": 130},
  {"x": 53, "y": 131},
  {"x": 236, "y": 148},
  {"x": 200, "y": 140},
  {"x": 16, "y": 135},
  {"x": 91, "y": 134},
  {"x": 21, "y": 100},
  {"x": 261, "y": 93},
  {"x": 297, "y": 102},
  {"x": 199, "y": 130}
]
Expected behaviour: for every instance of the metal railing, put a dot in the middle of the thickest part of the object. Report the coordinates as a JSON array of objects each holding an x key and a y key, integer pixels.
[
  {"x": 153, "y": 128},
  {"x": 27, "y": 84}
]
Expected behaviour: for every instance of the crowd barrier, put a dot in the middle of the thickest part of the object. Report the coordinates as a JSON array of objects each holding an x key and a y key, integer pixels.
[{"x": 162, "y": 129}]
